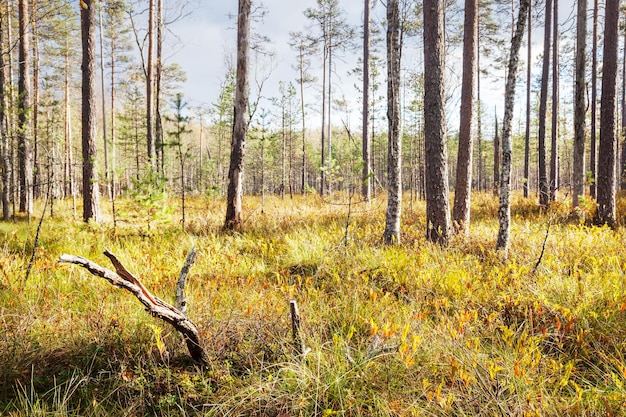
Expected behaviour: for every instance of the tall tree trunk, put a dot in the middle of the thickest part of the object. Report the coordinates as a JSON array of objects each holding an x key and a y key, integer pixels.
[
  {"x": 303, "y": 112},
  {"x": 622, "y": 172},
  {"x": 526, "y": 184},
  {"x": 554, "y": 155},
  {"x": 507, "y": 142},
  {"x": 323, "y": 178},
  {"x": 24, "y": 149},
  {"x": 462, "y": 195},
  {"x": 5, "y": 163},
  {"x": 394, "y": 199},
  {"x": 35, "y": 112},
  {"x": 159, "y": 139},
  {"x": 496, "y": 160},
  {"x": 608, "y": 140},
  {"x": 578, "y": 180},
  {"x": 366, "y": 188},
  {"x": 149, "y": 87},
  {"x": 544, "y": 190},
  {"x": 594, "y": 104},
  {"x": 437, "y": 193},
  {"x": 91, "y": 206},
  {"x": 235, "y": 171}
]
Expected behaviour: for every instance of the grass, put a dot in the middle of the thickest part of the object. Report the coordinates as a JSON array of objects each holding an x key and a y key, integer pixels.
[{"x": 412, "y": 330}]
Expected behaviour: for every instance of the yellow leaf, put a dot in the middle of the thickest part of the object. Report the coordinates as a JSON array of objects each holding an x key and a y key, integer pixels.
[{"x": 83, "y": 5}]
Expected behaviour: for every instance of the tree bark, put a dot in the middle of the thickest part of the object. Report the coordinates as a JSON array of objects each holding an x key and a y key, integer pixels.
[
  {"x": 554, "y": 156},
  {"x": 496, "y": 160},
  {"x": 578, "y": 180},
  {"x": 507, "y": 142},
  {"x": 4, "y": 127},
  {"x": 149, "y": 87},
  {"x": 366, "y": 188},
  {"x": 91, "y": 206},
  {"x": 24, "y": 148},
  {"x": 122, "y": 278},
  {"x": 544, "y": 189},
  {"x": 235, "y": 171},
  {"x": 526, "y": 184},
  {"x": 437, "y": 204},
  {"x": 594, "y": 104},
  {"x": 605, "y": 213},
  {"x": 462, "y": 194},
  {"x": 394, "y": 198}
]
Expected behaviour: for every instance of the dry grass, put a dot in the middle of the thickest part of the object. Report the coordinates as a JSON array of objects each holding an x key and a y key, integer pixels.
[{"x": 390, "y": 331}]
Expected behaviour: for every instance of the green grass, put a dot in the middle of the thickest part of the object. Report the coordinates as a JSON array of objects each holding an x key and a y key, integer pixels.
[{"x": 412, "y": 330}]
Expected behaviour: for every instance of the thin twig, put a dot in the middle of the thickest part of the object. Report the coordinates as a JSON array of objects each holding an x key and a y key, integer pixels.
[{"x": 36, "y": 242}]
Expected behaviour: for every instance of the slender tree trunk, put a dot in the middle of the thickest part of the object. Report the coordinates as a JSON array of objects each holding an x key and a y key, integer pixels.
[
  {"x": 35, "y": 111},
  {"x": 594, "y": 102},
  {"x": 4, "y": 127},
  {"x": 324, "y": 77},
  {"x": 149, "y": 87},
  {"x": 496, "y": 160},
  {"x": 24, "y": 149},
  {"x": 526, "y": 184},
  {"x": 394, "y": 198},
  {"x": 302, "y": 110},
  {"x": 159, "y": 139},
  {"x": 507, "y": 142},
  {"x": 622, "y": 172},
  {"x": 235, "y": 171},
  {"x": 554, "y": 155},
  {"x": 437, "y": 194},
  {"x": 578, "y": 179},
  {"x": 366, "y": 188},
  {"x": 462, "y": 195},
  {"x": 544, "y": 189},
  {"x": 608, "y": 141},
  {"x": 91, "y": 207}
]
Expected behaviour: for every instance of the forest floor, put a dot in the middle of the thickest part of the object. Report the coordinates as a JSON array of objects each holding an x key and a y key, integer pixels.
[{"x": 410, "y": 330}]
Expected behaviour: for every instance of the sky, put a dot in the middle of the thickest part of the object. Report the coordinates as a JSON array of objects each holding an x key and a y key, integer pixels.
[{"x": 207, "y": 36}]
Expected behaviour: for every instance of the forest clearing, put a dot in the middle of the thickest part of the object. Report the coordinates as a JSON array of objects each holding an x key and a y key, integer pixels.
[{"x": 403, "y": 330}]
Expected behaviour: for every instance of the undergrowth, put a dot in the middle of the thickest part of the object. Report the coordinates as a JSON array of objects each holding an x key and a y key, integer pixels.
[{"x": 411, "y": 330}]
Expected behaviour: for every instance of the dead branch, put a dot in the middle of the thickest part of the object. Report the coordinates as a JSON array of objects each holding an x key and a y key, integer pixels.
[
  {"x": 181, "y": 301},
  {"x": 122, "y": 278}
]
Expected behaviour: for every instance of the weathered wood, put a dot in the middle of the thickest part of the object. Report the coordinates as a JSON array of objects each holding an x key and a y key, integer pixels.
[
  {"x": 295, "y": 326},
  {"x": 122, "y": 278},
  {"x": 181, "y": 301}
]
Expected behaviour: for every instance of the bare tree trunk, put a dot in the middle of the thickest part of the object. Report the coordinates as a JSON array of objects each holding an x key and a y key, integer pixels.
[
  {"x": 437, "y": 193},
  {"x": 235, "y": 171},
  {"x": 91, "y": 206},
  {"x": 105, "y": 143},
  {"x": 24, "y": 149},
  {"x": 462, "y": 195},
  {"x": 394, "y": 198},
  {"x": 608, "y": 141},
  {"x": 594, "y": 103},
  {"x": 526, "y": 184},
  {"x": 149, "y": 87},
  {"x": 35, "y": 111},
  {"x": 366, "y": 188},
  {"x": 622, "y": 172},
  {"x": 496, "y": 160},
  {"x": 507, "y": 142},
  {"x": 4, "y": 127},
  {"x": 324, "y": 79},
  {"x": 554, "y": 155},
  {"x": 544, "y": 190},
  {"x": 578, "y": 179},
  {"x": 159, "y": 139}
]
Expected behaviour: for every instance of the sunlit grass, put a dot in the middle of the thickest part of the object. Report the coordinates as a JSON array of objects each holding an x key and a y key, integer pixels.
[{"x": 409, "y": 330}]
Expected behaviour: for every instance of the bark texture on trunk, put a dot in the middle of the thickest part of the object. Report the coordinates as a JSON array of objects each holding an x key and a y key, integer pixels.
[
  {"x": 605, "y": 213},
  {"x": 544, "y": 189},
  {"x": 24, "y": 148},
  {"x": 240, "y": 126},
  {"x": 366, "y": 188},
  {"x": 4, "y": 127},
  {"x": 507, "y": 142},
  {"x": 462, "y": 195},
  {"x": 88, "y": 67},
  {"x": 578, "y": 180},
  {"x": 394, "y": 198},
  {"x": 437, "y": 192}
]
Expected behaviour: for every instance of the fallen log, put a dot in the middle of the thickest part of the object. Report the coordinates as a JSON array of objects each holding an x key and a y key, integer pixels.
[{"x": 122, "y": 278}]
